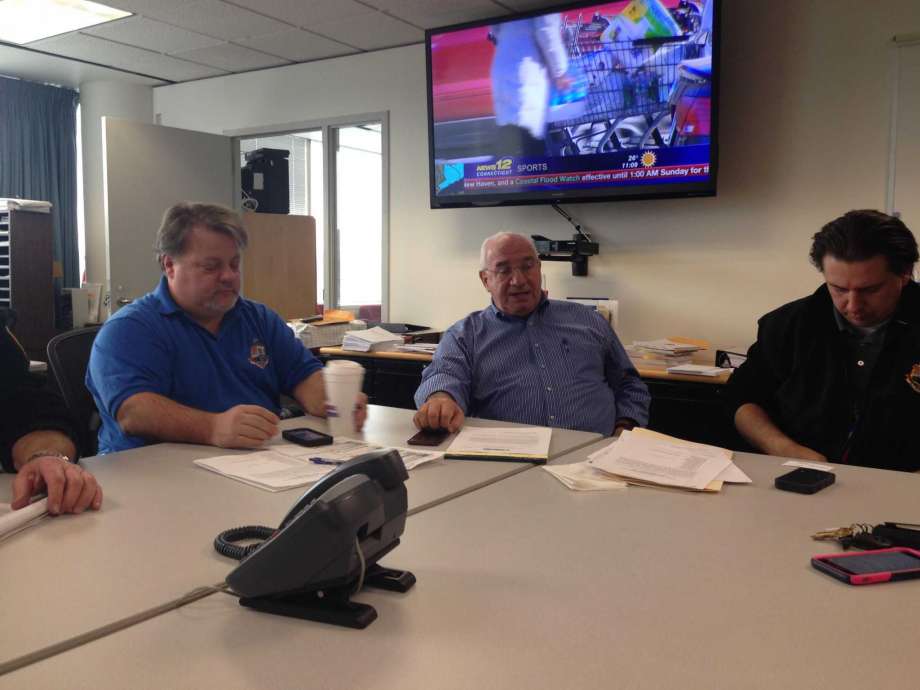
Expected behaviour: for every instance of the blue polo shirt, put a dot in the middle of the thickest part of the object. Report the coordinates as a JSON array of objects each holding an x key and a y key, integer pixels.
[{"x": 152, "y": 346}]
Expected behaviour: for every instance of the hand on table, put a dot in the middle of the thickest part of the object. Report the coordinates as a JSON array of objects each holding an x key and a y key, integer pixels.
[
  {"x": 440, "y": 411},
  {"x": 70, "y": 488},
  {"x": 244, "y": 426}
]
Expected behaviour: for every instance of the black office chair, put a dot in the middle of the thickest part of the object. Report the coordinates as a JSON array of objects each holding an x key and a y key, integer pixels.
[{"x": 68, "y": 357}]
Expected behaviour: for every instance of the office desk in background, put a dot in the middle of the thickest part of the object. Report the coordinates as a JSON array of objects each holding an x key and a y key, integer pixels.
[
  {"x": 152, "y": 541},
  {"x": 525, "y": 584},
  {"x": 689, "y": 407}
]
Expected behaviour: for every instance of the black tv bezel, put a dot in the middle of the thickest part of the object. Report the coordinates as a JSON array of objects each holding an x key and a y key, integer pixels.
[{"x": 603, "y": 194}]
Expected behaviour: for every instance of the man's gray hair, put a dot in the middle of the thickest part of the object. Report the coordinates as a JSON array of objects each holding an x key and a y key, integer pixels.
[
  {"x": 500, "y": 236},
  {"x": 179, "y": 220}
]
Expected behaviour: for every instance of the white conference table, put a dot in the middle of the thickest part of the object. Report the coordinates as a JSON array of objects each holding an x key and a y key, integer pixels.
[
  {"x": 525, "y": 584},
  {"x": 151, "y": 543}
]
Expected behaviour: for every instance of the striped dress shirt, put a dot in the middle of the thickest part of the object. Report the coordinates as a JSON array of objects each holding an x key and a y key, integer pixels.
[{"x": 561, "y": 366}]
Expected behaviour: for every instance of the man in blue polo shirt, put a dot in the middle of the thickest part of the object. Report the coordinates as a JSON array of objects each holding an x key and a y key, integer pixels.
[
  {"x": 529, "y": 359},
  {"x": 192, "y": 361}
]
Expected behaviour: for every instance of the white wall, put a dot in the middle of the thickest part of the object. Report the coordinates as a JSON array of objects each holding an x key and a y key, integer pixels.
[
  {"x": 97, "y": 100},
  {"x": 804, "y": 137}
]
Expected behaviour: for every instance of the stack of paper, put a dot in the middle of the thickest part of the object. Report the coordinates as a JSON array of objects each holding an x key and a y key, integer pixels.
[
  {"x": 649, "y": 458},
  {"x": 581, "y": 476},
  {"x": 283, "y": 465},
  {"x": 697, "y": 370},
  {"x": 25, "y": 205},
  {"x": 524, "y": 444},
  {"x": 373, "y": 339},
  {"x": 418, "y": 348},
  {"x": 661, "y": 353}
]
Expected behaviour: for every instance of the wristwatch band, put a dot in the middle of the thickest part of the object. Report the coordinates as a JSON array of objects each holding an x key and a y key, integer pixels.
[{"x": 48, "y": 454}]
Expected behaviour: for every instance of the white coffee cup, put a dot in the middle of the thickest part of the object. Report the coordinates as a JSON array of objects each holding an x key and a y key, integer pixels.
[{"x": 343, "y": 379}]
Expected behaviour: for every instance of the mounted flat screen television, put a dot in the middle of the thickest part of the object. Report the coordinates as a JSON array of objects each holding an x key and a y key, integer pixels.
[{"x": 586, "y": 102}]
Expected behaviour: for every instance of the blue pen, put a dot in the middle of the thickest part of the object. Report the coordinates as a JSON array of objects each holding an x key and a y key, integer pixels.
[{"x": 325, "y": 461}]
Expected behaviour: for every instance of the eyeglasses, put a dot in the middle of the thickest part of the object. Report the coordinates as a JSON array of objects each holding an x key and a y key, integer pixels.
[{"x": 505, "y": 272}]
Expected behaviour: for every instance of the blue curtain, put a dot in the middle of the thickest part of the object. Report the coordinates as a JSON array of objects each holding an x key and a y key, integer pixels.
[{"x": 38, "y": 158}]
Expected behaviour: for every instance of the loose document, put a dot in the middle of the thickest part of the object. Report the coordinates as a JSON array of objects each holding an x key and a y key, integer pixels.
[
  {"x": 282, "y": 465},
  {"x": 649, "y": 458},
  {"x": 376, "y": 339}
]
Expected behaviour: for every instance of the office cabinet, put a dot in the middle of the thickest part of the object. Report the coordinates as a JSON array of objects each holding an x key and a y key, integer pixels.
[{"x": 26, "y": 277}]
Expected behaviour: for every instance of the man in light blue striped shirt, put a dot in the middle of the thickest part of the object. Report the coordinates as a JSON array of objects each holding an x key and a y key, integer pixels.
[{"x": 529, "y": 359}]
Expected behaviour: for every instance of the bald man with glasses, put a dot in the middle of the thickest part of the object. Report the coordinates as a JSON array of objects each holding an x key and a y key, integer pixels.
[{"x": 529, "y": 359}]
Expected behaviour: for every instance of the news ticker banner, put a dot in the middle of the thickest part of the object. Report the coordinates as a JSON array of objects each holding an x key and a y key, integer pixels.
[{"x": 630, "y": 167}]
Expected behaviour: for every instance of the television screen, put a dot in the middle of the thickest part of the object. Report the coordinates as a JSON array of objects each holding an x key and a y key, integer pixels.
[{"x": 588, "y": 102}]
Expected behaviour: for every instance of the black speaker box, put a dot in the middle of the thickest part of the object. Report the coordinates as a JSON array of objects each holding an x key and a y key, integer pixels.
[{"x": 265, "y": 178}]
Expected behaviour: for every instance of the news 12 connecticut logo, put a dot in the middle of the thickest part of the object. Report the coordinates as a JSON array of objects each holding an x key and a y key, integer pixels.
[{"x": 500, "y": 167}]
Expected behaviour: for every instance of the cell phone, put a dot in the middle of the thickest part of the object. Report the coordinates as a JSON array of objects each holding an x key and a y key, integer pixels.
[
  {"x": 306, "y": 437},
  {"x": 429, "y": 437},
  {"x": 870, "y": 567},
  {"x": 804, "y": 480}
]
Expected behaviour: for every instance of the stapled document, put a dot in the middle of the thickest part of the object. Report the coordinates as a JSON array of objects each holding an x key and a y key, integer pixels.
[{"x": 282, "y": 465}]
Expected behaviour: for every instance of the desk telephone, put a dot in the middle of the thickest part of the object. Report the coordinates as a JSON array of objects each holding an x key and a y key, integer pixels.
[{"x": 327, "y": 546}]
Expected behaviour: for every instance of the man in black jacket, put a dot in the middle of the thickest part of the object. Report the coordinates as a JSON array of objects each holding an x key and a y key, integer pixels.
[
  {"x": 836, "y": 376},
  {"x": 36, "y": 438}
]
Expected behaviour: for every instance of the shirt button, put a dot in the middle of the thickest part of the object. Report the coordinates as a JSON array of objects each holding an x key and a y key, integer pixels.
[
  {"x": 536, "y": 344},
  {"x": 549, "y": 388},
  {"x": 860, "y": 363},
  {"x": 552, "y": 417}
]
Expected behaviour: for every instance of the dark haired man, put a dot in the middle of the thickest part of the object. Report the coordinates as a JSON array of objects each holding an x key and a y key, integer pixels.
[
  {"x": 836, "y": 376},
  {"x": 192, "y": 361}
]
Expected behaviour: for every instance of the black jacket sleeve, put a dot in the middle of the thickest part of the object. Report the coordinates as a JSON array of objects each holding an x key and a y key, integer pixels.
[{"x": 26, "y": 404}]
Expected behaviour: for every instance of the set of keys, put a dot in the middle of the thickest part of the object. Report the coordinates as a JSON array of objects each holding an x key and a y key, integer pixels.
[{"x": 858, "y": 536}]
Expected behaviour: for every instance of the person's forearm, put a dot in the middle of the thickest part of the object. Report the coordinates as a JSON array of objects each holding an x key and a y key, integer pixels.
[
  {"x": 756, "y": 427},
  {"x": 38, "y": 441},
  {"x": 311, "y": 394},
  {"x": 153, "y": 416}
]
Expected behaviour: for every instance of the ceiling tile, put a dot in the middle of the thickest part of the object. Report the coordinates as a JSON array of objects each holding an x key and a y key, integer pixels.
[
  {"x": 222, "y": 20},
  {"x": 297, "y": 45},
  {"x": 370, "y": 31},
  {"x": 151, "y": 34},
  {"x": 232, "y": 58},
  {"x": 429, "y": 14},
  {"x": 305, "y": 13},
  {"x": 157, "y": 9},
  {"x": 103, "y": 52}
]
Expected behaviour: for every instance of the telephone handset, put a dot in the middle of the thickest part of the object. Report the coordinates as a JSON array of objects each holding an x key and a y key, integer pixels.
[
  {"x": 379, "y": 466},
  {"x": 327, "y": 546}
]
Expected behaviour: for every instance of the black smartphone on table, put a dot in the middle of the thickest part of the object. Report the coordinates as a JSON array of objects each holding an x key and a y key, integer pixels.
[
  {"x": 429, "y": 437},
  {"x": 804, "y": 480},
  {"x": 306, "y": 437}
]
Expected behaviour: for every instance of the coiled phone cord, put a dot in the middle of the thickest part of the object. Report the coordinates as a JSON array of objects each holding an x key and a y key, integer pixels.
[{"x": 224, "y": 542}]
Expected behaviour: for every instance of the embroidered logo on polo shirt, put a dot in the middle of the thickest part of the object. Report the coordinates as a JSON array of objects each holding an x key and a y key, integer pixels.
[
  {"x": 257, "y": 354},
  {"x": 913, "y": 378}
]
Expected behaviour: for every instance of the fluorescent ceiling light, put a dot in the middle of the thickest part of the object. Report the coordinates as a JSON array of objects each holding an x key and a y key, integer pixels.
[{"x": 24, "y": 21}]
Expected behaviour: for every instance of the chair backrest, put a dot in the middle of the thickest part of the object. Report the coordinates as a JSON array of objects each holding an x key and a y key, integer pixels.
[{"x": 68, "y": 357}]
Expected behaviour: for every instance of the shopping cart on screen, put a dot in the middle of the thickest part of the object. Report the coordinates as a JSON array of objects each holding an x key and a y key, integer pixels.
[{"x": 627, "y": 87}]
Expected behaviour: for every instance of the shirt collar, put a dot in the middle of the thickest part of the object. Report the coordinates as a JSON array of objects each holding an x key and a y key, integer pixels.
[
  {"x": 493, "y": 310},
  {"x": 165, "y": 301},
  {"x": 870, "y": 333}
]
